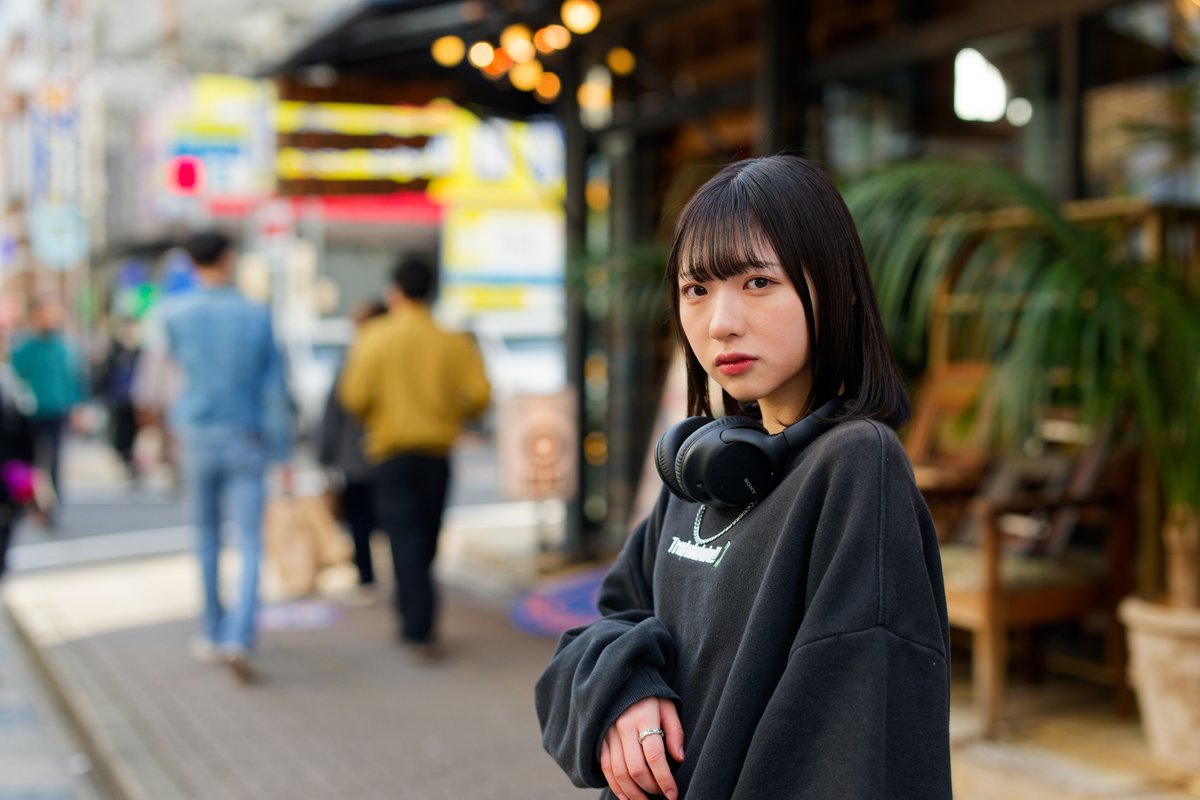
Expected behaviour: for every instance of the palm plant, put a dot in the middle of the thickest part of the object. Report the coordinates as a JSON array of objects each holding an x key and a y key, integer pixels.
[{"x": 1067, "y": 312}]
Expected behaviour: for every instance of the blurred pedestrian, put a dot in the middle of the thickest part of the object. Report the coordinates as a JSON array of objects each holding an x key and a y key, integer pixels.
[
  {"x": 16, "y": 458},
  {"x": 413, "y": 384},
  {"x": 233, "y": 419},
  {"x": 762, "y": 642},
  {"x": 340, "y": 450},
  {"x": 50, "y": 366},
  {"x": 116, "y": 388},
  {"x": 157, "y": 380},
  {"x": 157, "y": 384}
]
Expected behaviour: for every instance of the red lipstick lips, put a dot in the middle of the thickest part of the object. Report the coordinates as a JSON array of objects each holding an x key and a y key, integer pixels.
[{"x": 734, "y": 363}]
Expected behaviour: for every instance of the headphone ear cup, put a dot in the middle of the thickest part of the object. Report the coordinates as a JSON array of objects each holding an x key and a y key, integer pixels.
[
  {"x": 694, "y": 449},
  {"x": 668, "y": 448}
]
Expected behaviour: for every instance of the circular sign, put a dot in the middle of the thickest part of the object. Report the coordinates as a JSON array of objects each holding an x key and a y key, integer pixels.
[{"x": 58, "y": 234}]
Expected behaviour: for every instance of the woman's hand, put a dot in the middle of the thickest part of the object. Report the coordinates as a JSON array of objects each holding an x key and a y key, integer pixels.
[{"x": 634, "y": 769}]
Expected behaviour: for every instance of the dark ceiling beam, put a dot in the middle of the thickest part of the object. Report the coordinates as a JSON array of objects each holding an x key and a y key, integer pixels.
[
  {"x": 926, "y": 41},
  {"x": 667, "y": 113},
  {"x": 344, "y": 23}
]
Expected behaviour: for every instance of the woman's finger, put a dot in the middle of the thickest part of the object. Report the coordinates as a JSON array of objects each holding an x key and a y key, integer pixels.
[
  {"x": 606, "y": 768},
  {"x": 635, "y": 758},
  {"x": 627, "y": 787},
  {"x": 672, "y": 728},
  {"x": 654, "y": 749}
]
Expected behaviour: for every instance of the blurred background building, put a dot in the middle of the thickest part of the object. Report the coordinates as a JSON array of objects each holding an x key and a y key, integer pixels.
[
  {"x": 329, "y": 136},
  {"x": 538, "y": 150}
]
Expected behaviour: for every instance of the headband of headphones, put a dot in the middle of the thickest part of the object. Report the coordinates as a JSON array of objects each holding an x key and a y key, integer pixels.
[{"x": 733, "y": 461}]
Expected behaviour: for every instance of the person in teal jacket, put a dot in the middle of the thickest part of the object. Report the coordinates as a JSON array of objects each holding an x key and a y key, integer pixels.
[{"x": 49, "y": 366}]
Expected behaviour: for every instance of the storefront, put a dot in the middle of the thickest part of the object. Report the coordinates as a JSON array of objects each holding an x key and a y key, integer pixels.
[{"x": 1088, "y": 98}]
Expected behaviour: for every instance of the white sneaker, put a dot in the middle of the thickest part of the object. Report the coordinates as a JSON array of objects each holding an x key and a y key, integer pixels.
[{"x": 203, "y": 650}]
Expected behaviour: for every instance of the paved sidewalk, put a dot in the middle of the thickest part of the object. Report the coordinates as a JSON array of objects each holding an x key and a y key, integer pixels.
[
  {"x": 341, "y": 710},
  {"x": 39, "y": 759}
]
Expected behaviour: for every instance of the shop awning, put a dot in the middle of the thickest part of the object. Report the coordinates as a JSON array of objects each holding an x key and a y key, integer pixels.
[{"x": 391, "y": 39}]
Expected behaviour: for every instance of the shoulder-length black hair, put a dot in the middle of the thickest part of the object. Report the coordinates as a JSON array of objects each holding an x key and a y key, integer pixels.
[{"x": 791, "y": 204}]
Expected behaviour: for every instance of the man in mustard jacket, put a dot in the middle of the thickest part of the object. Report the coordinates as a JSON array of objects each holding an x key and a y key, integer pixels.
[{"x": 413, "y": 384}]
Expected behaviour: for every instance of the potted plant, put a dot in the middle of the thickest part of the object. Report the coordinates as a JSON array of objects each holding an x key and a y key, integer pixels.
[{"x": 1067, "y": 311}]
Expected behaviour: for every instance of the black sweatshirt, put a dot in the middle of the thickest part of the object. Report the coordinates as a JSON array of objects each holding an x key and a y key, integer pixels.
[{"x": 807, "y": 649}]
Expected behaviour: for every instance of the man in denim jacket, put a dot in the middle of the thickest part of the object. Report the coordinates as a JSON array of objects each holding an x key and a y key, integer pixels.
[{"x": 233, "y": 418}]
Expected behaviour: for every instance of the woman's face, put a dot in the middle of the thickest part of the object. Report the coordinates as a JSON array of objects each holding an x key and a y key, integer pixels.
[{"x": 749, "y": 334}]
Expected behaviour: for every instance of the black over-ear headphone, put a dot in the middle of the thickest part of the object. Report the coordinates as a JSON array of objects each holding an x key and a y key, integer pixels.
[{"x": 732, "y": 461}]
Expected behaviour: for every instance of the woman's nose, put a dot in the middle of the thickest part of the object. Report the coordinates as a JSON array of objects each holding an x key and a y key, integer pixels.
[{"x": 728, "y": 316}]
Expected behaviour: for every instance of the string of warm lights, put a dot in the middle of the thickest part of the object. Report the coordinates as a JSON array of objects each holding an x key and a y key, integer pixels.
[{"x": 516, "y": 53}]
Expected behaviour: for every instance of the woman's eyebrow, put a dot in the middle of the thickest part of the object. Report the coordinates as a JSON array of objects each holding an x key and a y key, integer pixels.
[
  {"x": 760, "y": 266},
  {"x": 737, "y": 268}
]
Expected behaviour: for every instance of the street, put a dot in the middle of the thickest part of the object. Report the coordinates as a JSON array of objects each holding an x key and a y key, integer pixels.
[
  {"x": 103, "y": 517},
  {"x": 104, "y": 605}
]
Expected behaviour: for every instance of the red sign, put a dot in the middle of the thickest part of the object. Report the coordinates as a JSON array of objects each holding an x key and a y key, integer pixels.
[{"x": 185, "y": 175}]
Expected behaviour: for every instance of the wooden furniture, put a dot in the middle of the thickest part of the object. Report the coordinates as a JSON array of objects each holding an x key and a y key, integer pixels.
[
  {"x": 944, "y": 440},
  {"x": 1011, "y": 566},
  {"x": 1007, "y": 525}
]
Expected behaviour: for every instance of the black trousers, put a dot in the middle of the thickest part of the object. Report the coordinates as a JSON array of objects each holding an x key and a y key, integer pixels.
[
  {"x": 122, "y": 430},
  {"x": 410, "y": 496},
  {"x": 6, "y": 526},
  {"x": 47, "y": 446},
  {"x": 358, "y": 507}
]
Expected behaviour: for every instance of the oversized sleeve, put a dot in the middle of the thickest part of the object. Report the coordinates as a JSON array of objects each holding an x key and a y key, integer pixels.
[
  {"x": 862, "y": 709},
  {"x": 601, "y": 669}
]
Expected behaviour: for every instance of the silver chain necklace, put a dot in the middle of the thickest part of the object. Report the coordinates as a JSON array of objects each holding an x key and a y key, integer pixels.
[{"x": 700, "y": 518}]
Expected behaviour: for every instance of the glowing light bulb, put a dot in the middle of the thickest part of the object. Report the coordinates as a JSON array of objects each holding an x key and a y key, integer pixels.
[
  {"x": 551, "y": 38},
  {"x": 481, "y": 54},
  {"x": 448, "y": 50},
  {"x": 501, "y": 61},
  {"x": 512, "y": 33},
  {"x": 621, "y": 61},
  {"x": 548, "y": 87},
  {"x": 521, "y": 50},
  {"x": 581, "y": 16},
  {"x": 525, "y": 76}
]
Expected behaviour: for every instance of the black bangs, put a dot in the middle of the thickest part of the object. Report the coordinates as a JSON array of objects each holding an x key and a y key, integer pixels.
[{"x": 723, "y": 237}]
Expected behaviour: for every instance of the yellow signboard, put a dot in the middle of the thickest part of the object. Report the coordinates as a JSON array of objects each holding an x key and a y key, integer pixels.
[
  {"x": 501, "y": 185},
  {"x": 466, "y": 159}
]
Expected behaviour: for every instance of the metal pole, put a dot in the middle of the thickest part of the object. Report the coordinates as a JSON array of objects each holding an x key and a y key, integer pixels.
[{"x": 576, "y": 538}]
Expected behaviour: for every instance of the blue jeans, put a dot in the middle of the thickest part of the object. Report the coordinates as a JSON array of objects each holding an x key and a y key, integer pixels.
[{"x": 224, "y": 464}]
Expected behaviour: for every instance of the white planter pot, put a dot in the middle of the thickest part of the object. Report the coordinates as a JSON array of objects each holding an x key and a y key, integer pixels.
[{"x": 1164, "y": 648}]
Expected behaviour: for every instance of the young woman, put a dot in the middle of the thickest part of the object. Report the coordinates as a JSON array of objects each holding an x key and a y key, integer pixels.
[{"x": 769, "y": 643}]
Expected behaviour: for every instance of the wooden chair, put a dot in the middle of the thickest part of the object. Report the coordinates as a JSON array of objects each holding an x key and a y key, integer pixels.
[
  {"x": 944, "y": 440},
  {"x": 1011, "y": 564},
  {"x": 1007, "y": 524}
]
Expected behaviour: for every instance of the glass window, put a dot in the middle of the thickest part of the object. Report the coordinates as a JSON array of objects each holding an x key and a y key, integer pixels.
[
  {"x": 995, "y": 99},
  {"x": 1139, "y": 101}
]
